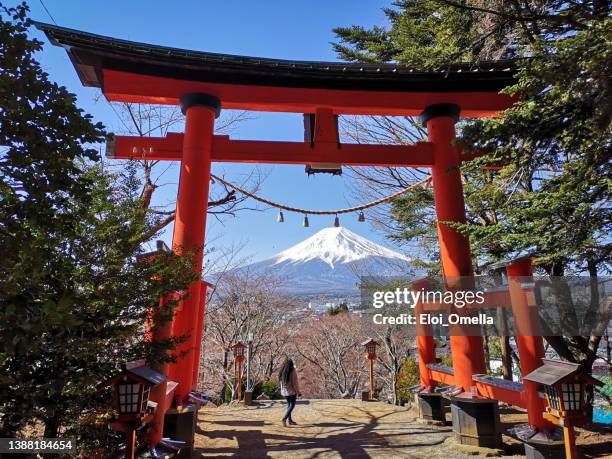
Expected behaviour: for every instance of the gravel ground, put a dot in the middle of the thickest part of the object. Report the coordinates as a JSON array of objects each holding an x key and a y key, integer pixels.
[{"x": 327, "y": 429}]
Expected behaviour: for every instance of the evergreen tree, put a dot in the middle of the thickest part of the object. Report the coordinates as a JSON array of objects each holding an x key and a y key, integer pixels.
[
  {"x": 551, "y": 187},
  {"x": 73, "y": 298}
]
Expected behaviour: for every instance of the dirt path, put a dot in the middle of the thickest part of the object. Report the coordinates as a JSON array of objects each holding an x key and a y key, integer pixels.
[{"x": 327, "y": 429}]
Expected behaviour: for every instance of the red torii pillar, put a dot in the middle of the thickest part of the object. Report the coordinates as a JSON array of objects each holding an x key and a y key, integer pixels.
[
  {"x": 199, "y": 334},
  {"x": 430, "y": 403},
  {"x": 190, "y": 225},
  {"x": 529, "y": 339},
  {"x": 158, "y": 393},
  {"x": 426, "y": 347},
  {"x": 467, "y": 351}
]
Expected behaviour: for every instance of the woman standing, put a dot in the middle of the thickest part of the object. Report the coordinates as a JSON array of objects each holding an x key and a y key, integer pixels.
[{"x": 290, "y": 389}]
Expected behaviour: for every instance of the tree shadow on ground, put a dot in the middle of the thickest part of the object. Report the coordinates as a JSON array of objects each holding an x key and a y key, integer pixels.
[
  {"x": 346, "y": 438},
  {"x": 594, "y": 441},
  {"x": 599, "y": 437}
]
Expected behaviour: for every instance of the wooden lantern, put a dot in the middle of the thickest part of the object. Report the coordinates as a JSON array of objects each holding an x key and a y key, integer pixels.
[
  {"x": 370, "y": 347},
  {"x": 565, "y": 385},
  {"x": 131, "y": 387},
  {"x": 239, "y": 349}
]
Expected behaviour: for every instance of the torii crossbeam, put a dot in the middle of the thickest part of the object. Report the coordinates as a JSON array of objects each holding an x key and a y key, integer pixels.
[{"x": 319, "y": 150}]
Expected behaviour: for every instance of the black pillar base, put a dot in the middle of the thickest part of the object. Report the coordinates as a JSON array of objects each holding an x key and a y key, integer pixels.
[
  {"x": 181, "y": 425},
  {"x": 431, "y": 406},
  {"x": 552, "y": 450},
  {"x": 476, "y": 422}
]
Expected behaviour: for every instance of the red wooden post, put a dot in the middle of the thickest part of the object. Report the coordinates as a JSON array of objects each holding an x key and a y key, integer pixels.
[
  {"x": 130, "y": 443},
  {"x": 199, "y": 333},
  {"x": 370, "y": 346},
  {"x": 371, "y": 379},
  {"x": 239, "y": 381},
  {"x": 426, "y": 347},
  {"x": 528, "y": 339},
  {"x": 467, "y": 351},
  {"x": 155, "y": 332},
  {"x": 238, "y": 349},
  {"x": 190, "y": 222},
  {"x": 158, "y": 393}
]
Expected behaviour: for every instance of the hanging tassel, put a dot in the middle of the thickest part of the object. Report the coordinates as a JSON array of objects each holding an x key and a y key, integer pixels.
[
  {"x": 361, "y": 217},
  {"x": 306, "y": 223},
  {"x": 337, "y": 222},
  {"x": 281, "y": 217}
]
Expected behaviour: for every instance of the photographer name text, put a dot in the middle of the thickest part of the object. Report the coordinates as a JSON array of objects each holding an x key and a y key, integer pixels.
[{"x": 432, "y": 319}]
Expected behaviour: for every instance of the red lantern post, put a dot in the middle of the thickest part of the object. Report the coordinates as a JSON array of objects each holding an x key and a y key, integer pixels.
[
  {"x": 370, "y": 348},
  {"x": 238, "y": 349}
]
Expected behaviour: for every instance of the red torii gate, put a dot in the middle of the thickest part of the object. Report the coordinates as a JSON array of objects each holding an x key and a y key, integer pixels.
[{"x": 203, "y": 83}]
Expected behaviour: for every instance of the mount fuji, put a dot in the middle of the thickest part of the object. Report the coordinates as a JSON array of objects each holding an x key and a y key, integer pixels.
[{"x": 330, "y": 262}]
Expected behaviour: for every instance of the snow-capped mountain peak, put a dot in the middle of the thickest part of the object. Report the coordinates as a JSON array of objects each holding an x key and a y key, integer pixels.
[
  {"x": 330, "y": 262},
  {"x": 334, "y": 246}
]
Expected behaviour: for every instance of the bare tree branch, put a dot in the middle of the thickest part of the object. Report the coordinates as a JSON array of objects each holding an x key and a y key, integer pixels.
[{"x": 146, "y": 120}]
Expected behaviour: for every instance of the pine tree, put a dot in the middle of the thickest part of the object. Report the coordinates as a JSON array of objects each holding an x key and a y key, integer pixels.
[
  {"x": 551, "y": 188},
  {"x": 73, "y": 298}
]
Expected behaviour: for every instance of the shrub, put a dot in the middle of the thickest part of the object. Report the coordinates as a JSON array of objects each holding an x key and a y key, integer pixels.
[
  {"x": 408, "y": 376},
  {"x": 271, "y": 388}
]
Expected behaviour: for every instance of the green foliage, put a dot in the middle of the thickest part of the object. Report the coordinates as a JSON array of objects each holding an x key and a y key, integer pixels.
[
  {"x": 553, "y": 189},
  {"x": 408, "y": 376},
  {"x": 73, "y": 298},
  {"x": 554, "y": 144},
  {"x": 271, "y": 388},
  {"x": 227, "y": 394},
  {"x": 426, "y": 34},
  {"x": 335, "y": 310},
  {"x": 413, "y": 211},
  {"x": 95, "y": 434},
  {"x": 445, "y": 360},
  {"x": 606, "y": 389},
  {"x": 495, "y": 347}
]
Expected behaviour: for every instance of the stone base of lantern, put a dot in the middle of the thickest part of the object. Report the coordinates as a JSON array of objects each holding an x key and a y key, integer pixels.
[
  {"x": 539, "y": 445},
  {"x": 180, "y": 424}
]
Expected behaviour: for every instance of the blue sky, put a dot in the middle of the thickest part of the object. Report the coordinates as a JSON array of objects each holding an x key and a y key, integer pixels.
[{"x": 293, "y": 29}]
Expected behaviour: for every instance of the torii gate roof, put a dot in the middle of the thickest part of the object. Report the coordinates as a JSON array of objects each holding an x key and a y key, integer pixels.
[{"x": 128, "y": 71}]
